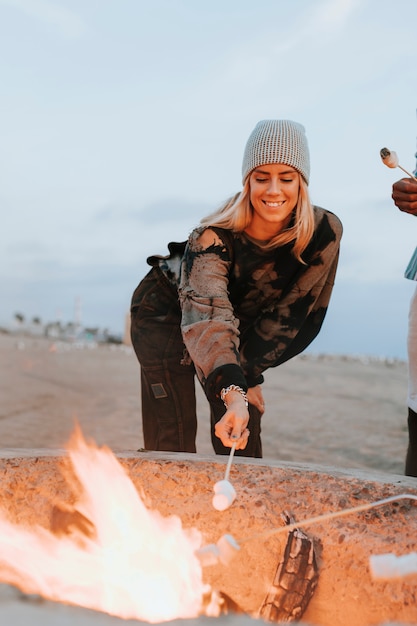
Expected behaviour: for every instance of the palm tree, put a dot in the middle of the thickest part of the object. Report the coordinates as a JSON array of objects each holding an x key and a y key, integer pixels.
[{"x": 20, "y": 319}]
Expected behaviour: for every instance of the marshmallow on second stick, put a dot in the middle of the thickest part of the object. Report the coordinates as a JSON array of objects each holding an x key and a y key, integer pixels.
[
  {"x": 224, "y": 495},
  {"x": 223, "y": 551},
  {"x": 389, "y": 157},
  {"x": 228, "y": 548}
]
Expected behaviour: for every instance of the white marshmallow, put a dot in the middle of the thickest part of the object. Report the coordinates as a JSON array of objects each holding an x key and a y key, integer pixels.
[
  {"x": 389, "y": 157},
  {"x": 224, "y": 495},
  {"x": 208, "y": 555},
  {"x": 228, "y": 547},
  {"x": 392, "y": 566},
  {"x": 223, "y": 551}
]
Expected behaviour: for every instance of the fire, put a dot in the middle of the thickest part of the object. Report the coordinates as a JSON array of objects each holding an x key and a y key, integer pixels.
[{"x": 128, "y": 561}]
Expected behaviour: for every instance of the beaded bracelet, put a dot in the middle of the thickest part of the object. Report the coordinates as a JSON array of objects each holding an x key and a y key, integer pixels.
[{"x": 225, "y": 391}]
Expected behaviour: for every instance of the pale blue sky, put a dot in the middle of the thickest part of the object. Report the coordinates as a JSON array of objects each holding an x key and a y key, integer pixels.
[{"x": 124, "y": 122}]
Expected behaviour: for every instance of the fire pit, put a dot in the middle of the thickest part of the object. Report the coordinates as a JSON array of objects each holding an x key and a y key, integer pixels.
[{"x": 182, "y": 485}]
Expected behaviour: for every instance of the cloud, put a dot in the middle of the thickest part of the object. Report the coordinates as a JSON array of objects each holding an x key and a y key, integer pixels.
[
  {"x": 63, "y": 20},
  {"x": 331, "y": 15},
  {"x": 162, "y": 210},
  {"x": 366, "y": 319},
  {"x": 174, "y": 210},
  {"x": 292, "y": 42}
]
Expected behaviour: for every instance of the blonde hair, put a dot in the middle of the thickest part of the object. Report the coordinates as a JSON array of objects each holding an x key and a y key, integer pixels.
[{"x": 236, "y": 215}]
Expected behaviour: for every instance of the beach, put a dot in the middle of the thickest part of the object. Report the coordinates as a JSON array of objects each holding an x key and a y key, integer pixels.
[{"x": 340, "y": 411}]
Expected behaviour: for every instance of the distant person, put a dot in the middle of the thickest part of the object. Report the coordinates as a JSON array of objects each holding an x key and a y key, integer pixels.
[
  {"x": 248, "y": 292},
  {"x": 404, "y": 194}
]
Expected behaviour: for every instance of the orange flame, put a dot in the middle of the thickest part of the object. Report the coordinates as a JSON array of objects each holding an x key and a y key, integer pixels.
[{"x": 135, "y": 563}]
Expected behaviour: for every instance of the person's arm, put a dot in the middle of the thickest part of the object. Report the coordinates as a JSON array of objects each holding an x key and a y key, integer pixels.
[
  {"x": 404, "y": 194},
  {"x": 210, "y": 330},
  {"x": 209, "y": 327},
  {"x": 290, "y": 326}
]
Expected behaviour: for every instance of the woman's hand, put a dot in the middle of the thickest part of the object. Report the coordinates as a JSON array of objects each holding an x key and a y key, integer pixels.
[
  {"x": 231, "y": 428},
  {"x": 255, "y": 398}
]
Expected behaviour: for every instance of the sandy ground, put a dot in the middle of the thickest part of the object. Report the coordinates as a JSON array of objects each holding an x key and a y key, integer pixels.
[{"x": 338, "y": 411}]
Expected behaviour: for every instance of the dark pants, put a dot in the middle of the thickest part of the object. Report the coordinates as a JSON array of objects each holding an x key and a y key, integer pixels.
[
  {"x": 411, "y": 458},
  {"x": 169, "y": 417}
]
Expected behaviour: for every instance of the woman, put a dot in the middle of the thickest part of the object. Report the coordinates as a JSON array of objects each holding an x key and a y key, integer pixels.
[{"x": 249, "y": 292}]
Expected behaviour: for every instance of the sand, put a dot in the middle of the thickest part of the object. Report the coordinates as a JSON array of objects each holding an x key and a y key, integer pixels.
[{"x": 332, "y": 410}]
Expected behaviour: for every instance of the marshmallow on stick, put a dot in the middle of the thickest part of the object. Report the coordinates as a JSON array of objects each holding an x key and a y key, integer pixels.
[
  {"x": 224, "y": 492},
  {"x": 390, "y": 159},
  {"x": 224, "y": 495},
  {"x": 224, "y": 551}
]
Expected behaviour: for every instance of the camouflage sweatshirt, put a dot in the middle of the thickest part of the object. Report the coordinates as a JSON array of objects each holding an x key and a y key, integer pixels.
[{"x": 245, "y": 309}]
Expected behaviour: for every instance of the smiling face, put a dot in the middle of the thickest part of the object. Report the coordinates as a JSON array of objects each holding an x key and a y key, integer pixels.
[{"x": 273, "y": 194}]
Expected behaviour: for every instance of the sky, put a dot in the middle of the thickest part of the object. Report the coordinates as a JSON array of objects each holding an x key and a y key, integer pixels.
[{"x": 124, "y": 123}]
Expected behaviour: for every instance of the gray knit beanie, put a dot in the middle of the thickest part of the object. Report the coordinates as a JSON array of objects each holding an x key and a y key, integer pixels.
[{"x": 277, "y": 141}]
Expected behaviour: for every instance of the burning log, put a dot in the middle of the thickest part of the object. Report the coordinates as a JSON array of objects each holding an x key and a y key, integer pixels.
[
  {"x": 295, "y": 580},
  {"x": 65, "y": 520}
]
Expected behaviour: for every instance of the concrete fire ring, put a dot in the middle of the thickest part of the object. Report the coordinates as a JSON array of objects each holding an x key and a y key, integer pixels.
[{"x": 182, "y": 484}]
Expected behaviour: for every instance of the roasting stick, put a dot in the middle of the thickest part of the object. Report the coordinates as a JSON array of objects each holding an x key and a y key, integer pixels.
[
  {"x": 390, "y": 159},
  {"x": 381, "y": 565},
  {"x": 229, "y": 462},
  {"x": 328, "y": 516}
]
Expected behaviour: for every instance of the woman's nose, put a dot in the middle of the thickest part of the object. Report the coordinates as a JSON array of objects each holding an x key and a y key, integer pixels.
[{"x": 274, "y": 186}]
